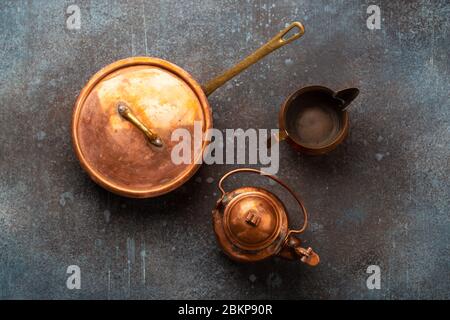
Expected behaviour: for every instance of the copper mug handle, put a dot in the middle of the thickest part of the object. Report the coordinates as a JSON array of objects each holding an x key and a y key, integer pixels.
[{"x": 274, "y": 178}]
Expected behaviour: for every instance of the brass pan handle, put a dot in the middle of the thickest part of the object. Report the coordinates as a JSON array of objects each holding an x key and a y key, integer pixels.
[
  {"x": 126, "y": 112},
  {"x": 274, "y": 178},
  {"x": 276, "y": 42}
]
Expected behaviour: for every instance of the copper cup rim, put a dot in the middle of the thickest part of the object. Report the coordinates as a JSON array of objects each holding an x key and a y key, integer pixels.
[
  {"x": 125, "y": 63},
  {"x": 282, "y": 121}
]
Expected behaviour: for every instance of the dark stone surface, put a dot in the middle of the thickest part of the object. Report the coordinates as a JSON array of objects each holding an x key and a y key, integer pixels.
[{"x": 380, "y": 198}]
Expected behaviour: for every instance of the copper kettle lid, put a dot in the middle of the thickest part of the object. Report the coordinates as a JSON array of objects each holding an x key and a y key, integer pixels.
[
  {"x": 123, "y": 121},
  {"x": 253, "y": 218}
]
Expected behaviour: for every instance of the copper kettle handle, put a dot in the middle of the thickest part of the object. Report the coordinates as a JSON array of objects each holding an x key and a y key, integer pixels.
[{"x": 274, "y": 178}]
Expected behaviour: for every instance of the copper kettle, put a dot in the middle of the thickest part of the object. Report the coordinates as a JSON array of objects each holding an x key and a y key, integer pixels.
[{"x": 251, "y": 224}]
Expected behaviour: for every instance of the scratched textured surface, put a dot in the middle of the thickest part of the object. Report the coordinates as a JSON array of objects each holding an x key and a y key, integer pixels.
[{"x": 381, "y": 198}]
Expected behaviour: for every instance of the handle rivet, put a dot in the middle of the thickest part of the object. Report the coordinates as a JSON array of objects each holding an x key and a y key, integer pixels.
[{"x": 121, "y": 108}]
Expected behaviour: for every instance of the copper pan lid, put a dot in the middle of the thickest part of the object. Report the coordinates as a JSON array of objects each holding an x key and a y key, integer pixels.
[{"x": 112, "y": 113}]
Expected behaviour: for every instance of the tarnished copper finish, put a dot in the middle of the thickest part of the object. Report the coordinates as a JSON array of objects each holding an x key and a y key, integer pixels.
[
  {"x": 315, "y": 120},
  {"x": 113, "y": 144},
  {"x": 112, "y": 150},
  {"x": 251, "y": 224}
]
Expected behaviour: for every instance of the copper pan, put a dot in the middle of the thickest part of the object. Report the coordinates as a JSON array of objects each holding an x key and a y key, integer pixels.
[{"x": 124, "y": 143}]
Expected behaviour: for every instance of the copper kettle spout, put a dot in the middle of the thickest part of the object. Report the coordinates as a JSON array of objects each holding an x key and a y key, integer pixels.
[{"x": 292, "y": 250}]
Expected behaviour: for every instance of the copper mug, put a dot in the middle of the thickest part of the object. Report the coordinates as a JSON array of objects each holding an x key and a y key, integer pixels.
[
  {"x": 315, "y": 120},
  {"x": 251, "y": 224}
]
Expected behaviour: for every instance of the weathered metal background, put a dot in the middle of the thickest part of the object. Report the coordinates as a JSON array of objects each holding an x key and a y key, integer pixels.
[{"x": 381, "y": 198}]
